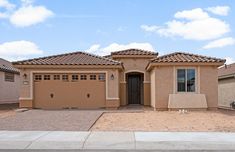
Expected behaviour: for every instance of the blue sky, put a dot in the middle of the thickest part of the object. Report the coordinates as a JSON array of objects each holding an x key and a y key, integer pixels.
[{"x": 33, "y": 28}]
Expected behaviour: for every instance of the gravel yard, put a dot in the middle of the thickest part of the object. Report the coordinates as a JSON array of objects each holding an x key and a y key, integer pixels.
[
  {"x": 211, "y": 121},
  {"x": 48, "y": 120}
]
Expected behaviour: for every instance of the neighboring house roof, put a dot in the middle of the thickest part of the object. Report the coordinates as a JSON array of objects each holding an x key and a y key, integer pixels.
[
  {"x": 134, "y": 52},
  {"x": 108, "y": 56},
  {"x": 179, "y": 57},
  {"x": 227, "y": 71},
  {"x": 74, "y": 58},
  {"x": 6, "y": 66}
]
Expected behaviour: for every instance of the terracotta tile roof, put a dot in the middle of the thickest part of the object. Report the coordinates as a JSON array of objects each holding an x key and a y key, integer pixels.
[
  {"x": 108, "y": 56},
  {"x": 227, "y": 70},
  {"x": 134, "y": 52},
  {"x": 6, "y": 66},
  {"x": 74, "y": 58},
  {"x": 179, "y": 57}
]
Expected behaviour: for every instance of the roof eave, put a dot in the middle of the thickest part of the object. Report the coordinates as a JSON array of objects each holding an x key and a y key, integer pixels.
[
  {"x": 10, "y": 71},
  {"x": 226, "y": 76},
  {"x": 152, "y": 64},
  {"x": 35, "y": 66}
]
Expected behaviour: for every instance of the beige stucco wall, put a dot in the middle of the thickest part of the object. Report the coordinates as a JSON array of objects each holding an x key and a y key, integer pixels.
[
  {"x": 111, "y": 93},
  {"x": 153, "y": 88},
  {"x": 147, "y": 98},
  {"x": 113, "y": 85},
  {"x": 123, "y": 93},
  {"x": 209, "y": 85},
  {"x": 134, "y": 65},
  {"x": 226, "y": 92},
  {"x": 165, "y": 84},
  {"x": 187, "y": 101}
]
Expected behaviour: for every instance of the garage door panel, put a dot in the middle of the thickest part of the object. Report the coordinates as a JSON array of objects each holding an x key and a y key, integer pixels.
[{"x": 84, "y": 94}]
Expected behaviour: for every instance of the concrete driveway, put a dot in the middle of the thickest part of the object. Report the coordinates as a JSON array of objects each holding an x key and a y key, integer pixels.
[{"x": 51, "y": 120}]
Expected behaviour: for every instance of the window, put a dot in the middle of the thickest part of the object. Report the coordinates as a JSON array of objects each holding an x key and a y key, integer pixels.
[
  {"x": 37, "y": 77},
  {"x": 65, "y": 77},
  {"x": 186, "y": 80},
  {"x": 102, "y": 77},
  {"x": 93, "y": 77},
  {"x": 9, "y": 77},
  {"x": 57, "y": 77},
  {"x": 47, "y": 77},
  {"x": 83, "y": 77},
  {"x": 181, "y": 80},
  {"x": 75, "y": 77}
]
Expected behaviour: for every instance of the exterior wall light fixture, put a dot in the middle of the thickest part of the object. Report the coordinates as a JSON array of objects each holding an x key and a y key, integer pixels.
[
  {"x": 25, "y": 76},
  {"x": 112, "y": 77}
]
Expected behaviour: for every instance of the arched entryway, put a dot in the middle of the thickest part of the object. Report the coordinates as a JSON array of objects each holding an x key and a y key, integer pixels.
[{"x": 135, "y": 90}]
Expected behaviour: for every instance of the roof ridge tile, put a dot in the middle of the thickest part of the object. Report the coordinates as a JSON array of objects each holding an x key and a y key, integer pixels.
[{"x": 134, "y": 52}]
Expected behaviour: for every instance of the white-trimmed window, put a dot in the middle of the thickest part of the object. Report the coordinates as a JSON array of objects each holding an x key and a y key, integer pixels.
[
  {"x": 74, "y": 77},
  {"x": 9, "y": 77},
  {"x": 83, "y": 77},
  {"x": 102, "y": 77},
  {"x": 186, "y": 80},
  {"x": 47, "y": 77},
  {"x": 65, "y": 77},
  {"x": 37, "y": 77},
  {"x": 92, "y": 77},
  {"x": 56, "y": 77}
]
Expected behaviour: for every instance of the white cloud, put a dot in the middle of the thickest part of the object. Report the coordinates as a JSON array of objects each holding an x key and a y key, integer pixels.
[
  {"x": 205, "y": 29},
  {"x": 229, "y": 60},
  {"x": 96, "y": 49},
  {"x": 26, "y": 15},
  {"x": 6, "y": 4},
  {"x": 27, "y": 2},
  {"x": 18, "y": 50},
  {"x": 30, "y": 15},
  {"x": 219, "y": 10},
  {"x": 3, "y": 15},
  {"x": 194, "y": 14},
  {"x": 149, "y": 28},
  {"x": 198, "y": 25},
  {"x": 220, "y": 43},
  {"x": 93, "y": 48}
]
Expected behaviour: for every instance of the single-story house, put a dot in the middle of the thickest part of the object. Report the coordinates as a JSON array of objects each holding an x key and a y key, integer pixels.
[
  {"x": 226, "y": 76},
  {"x": 82, "y": 80},
  {"x": 9, "y": 83}
]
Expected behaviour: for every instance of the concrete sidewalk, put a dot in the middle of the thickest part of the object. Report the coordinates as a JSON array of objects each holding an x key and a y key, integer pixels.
[{"x": 117, "y": 140}]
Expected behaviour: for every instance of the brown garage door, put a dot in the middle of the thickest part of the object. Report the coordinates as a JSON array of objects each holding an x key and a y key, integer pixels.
[{"x": 56, "y": 91}]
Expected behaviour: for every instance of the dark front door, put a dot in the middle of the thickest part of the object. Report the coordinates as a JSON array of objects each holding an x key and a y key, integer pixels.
[{"x": 134, "y": 89}]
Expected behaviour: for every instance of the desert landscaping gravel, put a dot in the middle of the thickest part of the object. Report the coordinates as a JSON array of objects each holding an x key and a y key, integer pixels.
[
  {"x": 49, "y": 120},
  {"x": 211, "y": 121}
]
